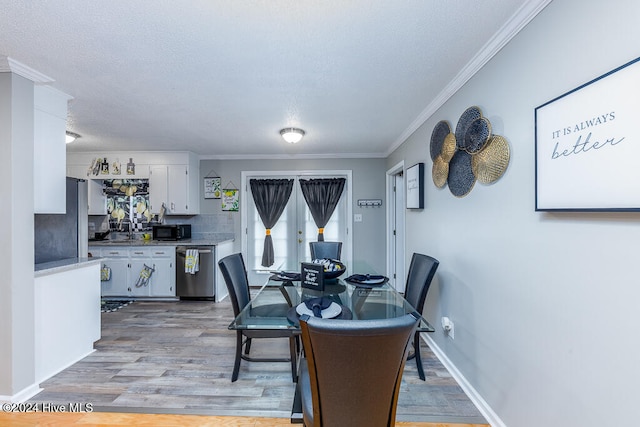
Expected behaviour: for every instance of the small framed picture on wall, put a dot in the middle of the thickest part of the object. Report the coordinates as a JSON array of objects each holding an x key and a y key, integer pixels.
[
  {"x": 415, "y": 186},
  {"x": 212, "y": 188}
]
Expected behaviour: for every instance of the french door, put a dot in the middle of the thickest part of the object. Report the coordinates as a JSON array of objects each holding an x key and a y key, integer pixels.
[{"x": 295, "y": 228}]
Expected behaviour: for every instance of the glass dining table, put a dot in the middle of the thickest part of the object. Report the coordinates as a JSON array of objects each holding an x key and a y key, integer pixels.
[{"x": 282, "y": 299}]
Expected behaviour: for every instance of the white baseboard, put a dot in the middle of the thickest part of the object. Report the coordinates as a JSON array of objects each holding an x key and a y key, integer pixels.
[
  {"x": 23, "y": 395},
  {"x": 492, "y": 418}
]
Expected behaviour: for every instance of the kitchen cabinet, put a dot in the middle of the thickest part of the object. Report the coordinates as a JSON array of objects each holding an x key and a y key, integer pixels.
[
  {"x": 164, "y": 278},
  {"x": 158, "y": 188},
  {"x": 174, "y": 177},
  {"x": 97, "y": 200},
  {"x": 174, "y": 186},
  {"x": 116, "y": 259},
  {"x": 139, "y": 263},
  {"x": 49, "y": 150},
  {"x": 127, "y": 263}
]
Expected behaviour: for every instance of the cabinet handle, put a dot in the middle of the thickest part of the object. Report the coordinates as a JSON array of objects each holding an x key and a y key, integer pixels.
[{"x": 138, "y": 253}]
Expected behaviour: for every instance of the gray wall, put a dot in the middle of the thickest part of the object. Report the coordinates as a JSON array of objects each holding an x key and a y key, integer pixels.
[
  {"x": 368, "y": 183},
  {"x": 56, "y": 235},
  {"x": 545, "y": 305}
]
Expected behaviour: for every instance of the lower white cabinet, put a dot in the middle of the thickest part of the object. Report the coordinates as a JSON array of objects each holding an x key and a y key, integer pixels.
[
  {"x": 138, "y": 272},
  {"x": 164, "y": 278}
]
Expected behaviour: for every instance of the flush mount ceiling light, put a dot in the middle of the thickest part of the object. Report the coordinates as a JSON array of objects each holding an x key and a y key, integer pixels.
[
  {"x": 292, "y": 135},
  {"x": 71, "y": 137}
]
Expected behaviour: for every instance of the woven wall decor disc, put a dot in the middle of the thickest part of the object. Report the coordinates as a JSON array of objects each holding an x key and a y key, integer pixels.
[
  {"x": 461, "y": 178},
  {"x": 477, "y": 135},
  {"x": 491, "y": 163},
  {"x": 469, "y": 115},
  {"x": 440, "y": 131},
  {"x": 449, "y": 147},
  {"x": 440, "y": 171}
]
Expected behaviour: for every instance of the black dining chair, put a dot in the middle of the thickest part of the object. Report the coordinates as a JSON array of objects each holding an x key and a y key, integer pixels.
[
  {"x": 329, "y": 250},
  {"x": 421, "y": 272},
  {"x": 235, "y": 276},
  {"x": 353, "y": 370}
]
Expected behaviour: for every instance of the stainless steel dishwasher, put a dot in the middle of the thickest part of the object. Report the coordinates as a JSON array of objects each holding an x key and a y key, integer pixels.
[{"x": 200, "y": 285}]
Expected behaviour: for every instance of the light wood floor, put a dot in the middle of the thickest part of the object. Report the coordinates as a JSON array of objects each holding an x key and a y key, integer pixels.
[
  {"x": 174, "y": 359},
  {"x": 161, "y": 420}
]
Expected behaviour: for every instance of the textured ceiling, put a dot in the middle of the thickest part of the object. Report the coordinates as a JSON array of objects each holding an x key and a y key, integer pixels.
[{"x": 221, "y": 78}]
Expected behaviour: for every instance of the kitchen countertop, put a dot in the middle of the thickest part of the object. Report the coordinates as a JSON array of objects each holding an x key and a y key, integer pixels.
[
  {"x": 139, "y": 242},
  {"x": 67, "y": 264}
]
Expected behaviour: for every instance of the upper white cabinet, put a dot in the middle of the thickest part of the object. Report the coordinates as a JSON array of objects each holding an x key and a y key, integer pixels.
[
  {"x": 49, "y": 150},
  {"x": 171, "y": 185},
  {"x": 158, "y": 188},
  {"x": 174, "y": 177},
  {"x": 97, "y": 200}
]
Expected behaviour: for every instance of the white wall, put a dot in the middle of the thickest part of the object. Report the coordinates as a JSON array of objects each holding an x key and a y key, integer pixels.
[
  {"x": 545, "y": 305},
  {"x": 16, "y": 235}
]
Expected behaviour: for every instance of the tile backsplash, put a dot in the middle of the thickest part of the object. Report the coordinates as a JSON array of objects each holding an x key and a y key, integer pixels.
[{"x": 207, "y": 226}]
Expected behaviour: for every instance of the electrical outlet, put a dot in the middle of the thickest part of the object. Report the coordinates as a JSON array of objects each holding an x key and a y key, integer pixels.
[
  {"x": 447, "y": 325},
  {"x": 357, "y": 218}
]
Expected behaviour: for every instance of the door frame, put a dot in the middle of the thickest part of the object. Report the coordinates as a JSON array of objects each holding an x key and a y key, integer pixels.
[
  {"x": 347, "y": 244},
  {"x": 395, "y": 244}
]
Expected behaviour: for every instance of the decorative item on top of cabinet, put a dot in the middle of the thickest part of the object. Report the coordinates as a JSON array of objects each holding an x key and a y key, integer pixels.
[
  {"x": 104, "y": 167},
  {"x": 131, "y": 167},
  {"x": 101, "y": 168},
  {"x": 115, "y": 168}
]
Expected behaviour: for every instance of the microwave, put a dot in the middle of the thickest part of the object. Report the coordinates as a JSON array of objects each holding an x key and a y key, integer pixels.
[{"x": 172, "y": 232}]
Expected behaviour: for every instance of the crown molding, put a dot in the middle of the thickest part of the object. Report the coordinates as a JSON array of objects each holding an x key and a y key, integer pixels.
[
  {"x": 9, "y": 65},
  {"x": 293, "y": 156},
  {"x": 518, "y": 21}
]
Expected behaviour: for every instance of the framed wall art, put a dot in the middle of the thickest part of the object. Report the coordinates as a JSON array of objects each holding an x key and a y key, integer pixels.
[
  {"x": 415, "y": 186},
  {"x": 587, "y": 145},
  {"x": 230, "y": 200},
  {"x": 212, "y": 188}
]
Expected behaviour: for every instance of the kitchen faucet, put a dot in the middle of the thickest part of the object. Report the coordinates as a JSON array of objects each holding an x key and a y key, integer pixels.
[{"x": 129, "y": 229}]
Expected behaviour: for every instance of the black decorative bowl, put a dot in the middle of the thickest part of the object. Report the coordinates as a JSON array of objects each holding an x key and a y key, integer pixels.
[{"x": 332, "y": 274}]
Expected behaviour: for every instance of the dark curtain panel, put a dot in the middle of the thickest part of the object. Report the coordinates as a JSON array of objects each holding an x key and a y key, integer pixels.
[
  {"x": 271, "y": 197},
  {"x": 322, "y": 196}
]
